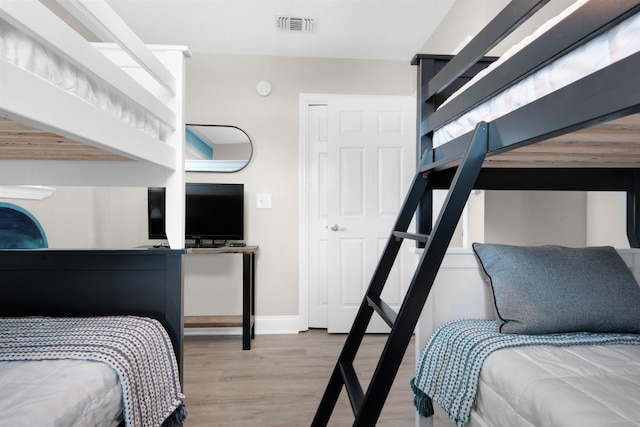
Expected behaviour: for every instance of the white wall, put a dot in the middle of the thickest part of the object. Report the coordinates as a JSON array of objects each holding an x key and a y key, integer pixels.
[
  {"x": 606, "y": 219},
  {"x": 569, "y": 218},
  {"x": 91, "y": 217},
  {"x": 536, "y": 217},
  {"x": 221, "y": 90}
]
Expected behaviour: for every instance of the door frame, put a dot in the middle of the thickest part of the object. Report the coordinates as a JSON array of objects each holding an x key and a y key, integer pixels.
[{"x": 305, "y": 101}]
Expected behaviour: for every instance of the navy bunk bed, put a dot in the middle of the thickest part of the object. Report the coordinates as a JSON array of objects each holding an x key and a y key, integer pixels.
[
  {"x": 476, "y": 159},
  {"x": 605, "y": 95}
]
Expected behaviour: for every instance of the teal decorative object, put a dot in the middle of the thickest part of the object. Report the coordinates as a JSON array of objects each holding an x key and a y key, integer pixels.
[{"x": 19, "y": 229}]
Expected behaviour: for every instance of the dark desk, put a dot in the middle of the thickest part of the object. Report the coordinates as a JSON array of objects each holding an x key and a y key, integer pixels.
[{"x": 246, "y": 320}]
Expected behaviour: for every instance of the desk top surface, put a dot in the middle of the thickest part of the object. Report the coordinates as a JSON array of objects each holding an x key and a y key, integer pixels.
[{"x": 226, "y": 250}]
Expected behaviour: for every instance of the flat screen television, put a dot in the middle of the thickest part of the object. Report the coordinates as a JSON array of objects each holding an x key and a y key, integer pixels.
[{"x": 213, "y": 212}]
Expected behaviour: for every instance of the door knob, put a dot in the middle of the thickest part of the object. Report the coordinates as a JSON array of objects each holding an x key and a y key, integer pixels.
[{"x": 335, "y": 227}]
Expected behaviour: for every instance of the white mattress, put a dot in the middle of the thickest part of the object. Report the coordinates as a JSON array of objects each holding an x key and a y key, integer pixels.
[
  {"x": 611, "y": 46},
  {"x": 560, "y": 387},
  {"x": 66, "y": 393},
  {"x": 24, "y": 52}
]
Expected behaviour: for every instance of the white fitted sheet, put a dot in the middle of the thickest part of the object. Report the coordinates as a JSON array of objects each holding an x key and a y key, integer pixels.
[
  {"x": 68, "y": 393},
  {"x": 560, "y": 386},
  {"x": 611, "y": 46}
]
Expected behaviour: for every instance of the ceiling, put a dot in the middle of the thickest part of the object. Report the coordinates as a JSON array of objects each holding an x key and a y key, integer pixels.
[{"x": 360, "y": 29}]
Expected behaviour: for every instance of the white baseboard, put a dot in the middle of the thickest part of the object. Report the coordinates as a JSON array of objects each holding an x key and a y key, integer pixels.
[{"x": 264, "y": 325}]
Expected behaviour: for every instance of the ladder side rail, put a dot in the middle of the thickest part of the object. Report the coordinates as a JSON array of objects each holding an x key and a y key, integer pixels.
[
  {"x": 402, "y": 223},
  {"x": 423, "y": 278},
  {"x": 390, "y": 252},
  {"x": 358, "y": 329}
]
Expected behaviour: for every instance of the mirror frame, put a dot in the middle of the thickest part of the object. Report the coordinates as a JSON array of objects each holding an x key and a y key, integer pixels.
[{"x": 212, "y": 168}]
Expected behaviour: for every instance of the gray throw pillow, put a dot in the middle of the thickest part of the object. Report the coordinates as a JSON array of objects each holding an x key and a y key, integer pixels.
[{"x": 549, "y": 289}]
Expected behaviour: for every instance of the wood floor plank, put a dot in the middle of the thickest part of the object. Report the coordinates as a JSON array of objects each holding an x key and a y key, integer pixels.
[{"x": 280, "y": 381}]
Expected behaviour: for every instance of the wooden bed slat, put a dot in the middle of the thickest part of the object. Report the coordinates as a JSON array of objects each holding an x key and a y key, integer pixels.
[
  {"x": 611, "y": 144},
  {"x": 22, "y": 142},
  {"x": 562, "y": 161}
]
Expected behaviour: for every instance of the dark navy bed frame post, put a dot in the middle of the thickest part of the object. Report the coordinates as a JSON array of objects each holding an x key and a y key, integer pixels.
[{"x": 428, "y": 67}]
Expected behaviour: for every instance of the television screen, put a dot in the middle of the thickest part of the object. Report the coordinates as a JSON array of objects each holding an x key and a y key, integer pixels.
[{"x": 212, "y": 212}]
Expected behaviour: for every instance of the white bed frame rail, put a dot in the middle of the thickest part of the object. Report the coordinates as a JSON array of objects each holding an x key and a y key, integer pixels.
[
  {"x": 45, "y": 27},
  {"x": 104, "y": 22},
  {"x": 461, "y": 292}
]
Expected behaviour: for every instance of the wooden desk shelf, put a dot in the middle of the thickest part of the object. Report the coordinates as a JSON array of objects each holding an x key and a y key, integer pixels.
[{"x": 214, "y": 321}]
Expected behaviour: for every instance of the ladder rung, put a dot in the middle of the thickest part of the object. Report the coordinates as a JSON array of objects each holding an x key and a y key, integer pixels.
[
  {"x": 413, "y": 236},
  {"x": 381, "y": 307},
  {"x": 352, "y": 385}
]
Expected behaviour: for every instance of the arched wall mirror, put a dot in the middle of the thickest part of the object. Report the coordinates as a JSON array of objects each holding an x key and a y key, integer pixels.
[{"x": 216, "y": 148}]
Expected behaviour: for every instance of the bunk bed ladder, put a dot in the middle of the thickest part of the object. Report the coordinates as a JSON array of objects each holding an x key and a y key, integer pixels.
[{"x": 367, "y": 406}]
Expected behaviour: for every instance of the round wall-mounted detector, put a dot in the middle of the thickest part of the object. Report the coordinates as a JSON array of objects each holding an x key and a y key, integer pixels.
[{"x": 263, "y": 88}]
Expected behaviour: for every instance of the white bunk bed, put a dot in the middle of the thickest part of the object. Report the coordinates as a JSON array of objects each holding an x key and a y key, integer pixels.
[
  {"x": 77, "y": 113},
  {"x": 80, "y": 113}
]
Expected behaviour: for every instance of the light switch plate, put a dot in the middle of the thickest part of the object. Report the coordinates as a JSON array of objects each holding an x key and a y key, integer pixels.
[{"x": 263, "y": 201}]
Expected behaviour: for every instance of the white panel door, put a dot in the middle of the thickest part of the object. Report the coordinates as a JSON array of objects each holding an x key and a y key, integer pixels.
[{"x": 370, "y": 165}]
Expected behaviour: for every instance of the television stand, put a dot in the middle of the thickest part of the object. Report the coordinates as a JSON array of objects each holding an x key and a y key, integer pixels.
[{"x": 246, "y": 320}]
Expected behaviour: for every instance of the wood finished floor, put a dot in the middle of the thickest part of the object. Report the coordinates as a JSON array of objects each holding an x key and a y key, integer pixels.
[{"x": 280, "y": 381}]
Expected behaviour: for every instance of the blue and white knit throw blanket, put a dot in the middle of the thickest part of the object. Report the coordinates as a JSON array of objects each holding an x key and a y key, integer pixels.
[
  {"x": 137, "y": 348},
  {"x": 449, "y": 367}
]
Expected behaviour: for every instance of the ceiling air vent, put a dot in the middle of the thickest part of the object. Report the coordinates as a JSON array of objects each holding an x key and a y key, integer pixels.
[{"x": 296, "y": 24}]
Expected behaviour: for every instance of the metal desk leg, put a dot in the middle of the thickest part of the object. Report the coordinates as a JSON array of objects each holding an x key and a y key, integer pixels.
[
  {"x": 253, "y": 294},
  {"x": 248, "y": 284}
]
